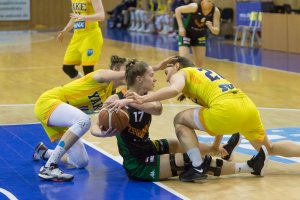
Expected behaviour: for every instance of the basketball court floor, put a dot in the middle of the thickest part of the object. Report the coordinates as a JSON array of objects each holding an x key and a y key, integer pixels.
[{"x": 30, "y": 63}]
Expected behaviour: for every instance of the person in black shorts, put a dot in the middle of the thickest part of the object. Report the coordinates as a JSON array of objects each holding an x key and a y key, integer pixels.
[
  {"x": 153, "y": 160},
  {"x": 194, "y": 20}
]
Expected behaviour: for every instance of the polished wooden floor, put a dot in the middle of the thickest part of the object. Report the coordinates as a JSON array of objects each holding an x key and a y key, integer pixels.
[{"x": 31, "y": 64}]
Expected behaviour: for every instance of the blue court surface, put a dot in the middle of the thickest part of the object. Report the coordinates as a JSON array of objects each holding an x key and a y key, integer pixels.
[{"x": 104, "y": 178}]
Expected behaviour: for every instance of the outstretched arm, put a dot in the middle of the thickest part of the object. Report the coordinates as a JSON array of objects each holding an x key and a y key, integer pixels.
[
  {"x": 105, "y": 76},
  {"x": 177, "y": 84}
]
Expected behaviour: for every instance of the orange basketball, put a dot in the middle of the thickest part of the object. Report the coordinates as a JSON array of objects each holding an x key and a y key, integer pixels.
[{"x": 111, "y": 119}]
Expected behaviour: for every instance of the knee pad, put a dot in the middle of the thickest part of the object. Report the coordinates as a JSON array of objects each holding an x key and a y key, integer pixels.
[
  {"x": 217, "y": 169},
  {"x": 175, "y": 168},
  {"x": 70, "y": 70},
  {"x": 81, "y": 126},
  {"x": 88, "y": 69},
  {"x": 77, "y": 155}
]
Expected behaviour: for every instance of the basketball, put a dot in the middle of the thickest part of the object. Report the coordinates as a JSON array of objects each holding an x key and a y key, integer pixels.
[{"x": 111, "y": 119}]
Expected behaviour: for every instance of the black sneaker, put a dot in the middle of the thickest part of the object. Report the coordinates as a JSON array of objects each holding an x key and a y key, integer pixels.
[
  {"x": 233, "y": 142},
  {"x": 259, "y": 162},
  {"x": 196, "y": 173},
  {"x": 39, "y": 152},
  {"x": 53, "y": 173}
]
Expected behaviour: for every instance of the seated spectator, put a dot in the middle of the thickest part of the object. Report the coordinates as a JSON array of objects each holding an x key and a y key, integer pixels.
[
  {"x": 136, "y": 15},
  {"x": 117, "y": 15}
]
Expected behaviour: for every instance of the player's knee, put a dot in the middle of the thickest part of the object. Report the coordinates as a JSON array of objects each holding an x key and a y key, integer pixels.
[
  {"x": 178, "y": 119},
  {"x": 70, "y": 70},
  {"x": 82, "y": 162},
  {"x": 175, "y": 168},
  {"x": 81, "y": 126},
  {"x": 79, "y": 161}
]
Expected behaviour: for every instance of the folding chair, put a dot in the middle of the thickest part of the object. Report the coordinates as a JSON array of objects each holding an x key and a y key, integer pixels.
[
  {"x": 256, "y": 29},
  {"x": 246, "y": 29}
]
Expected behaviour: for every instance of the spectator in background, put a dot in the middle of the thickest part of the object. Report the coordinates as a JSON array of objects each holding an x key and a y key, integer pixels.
[
  {"x": 119, "y": 15},
  {"x": 136, "y": 14}
]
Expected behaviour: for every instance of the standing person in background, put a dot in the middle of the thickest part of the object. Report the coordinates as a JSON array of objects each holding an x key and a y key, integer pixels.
[
  {"x": 193, "y": 30},
  {"x": 86, "y": 43}
]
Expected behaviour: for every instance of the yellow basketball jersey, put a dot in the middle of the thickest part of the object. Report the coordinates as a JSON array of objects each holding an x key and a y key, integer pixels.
[
  {"x": 204, "y": 86},
  {"x": 83, "y": 7},
  {"x": 84, "y": 93}
]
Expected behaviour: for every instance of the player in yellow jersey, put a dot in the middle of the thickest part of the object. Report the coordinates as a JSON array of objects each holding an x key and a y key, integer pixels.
[
  {"x": 61, "y": 112},
  {"x": 225, "y": 110},
  {"x": 153, "y": 160},
  {"x": 86, "y": 43}
]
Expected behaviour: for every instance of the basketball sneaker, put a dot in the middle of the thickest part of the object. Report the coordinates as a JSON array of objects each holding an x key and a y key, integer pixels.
[
  {"x": 233, "y": 142},
  {"x": 259, "y": 162},
  {"x": 39, "y": 152},
  {"x": 53, "y": 173},
  {"x": 196, "y": 173}
]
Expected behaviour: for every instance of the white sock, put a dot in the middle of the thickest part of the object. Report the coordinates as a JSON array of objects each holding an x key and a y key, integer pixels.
[
  {"x": 195, "y": 156},
  {"x": 242, "y": 168},
  {"x": 56, "y": 155}
]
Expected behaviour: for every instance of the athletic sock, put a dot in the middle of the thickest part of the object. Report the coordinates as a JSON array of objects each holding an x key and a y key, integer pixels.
[
  {"x": 58, "y": 152},
  {"x": 242, "y": 168},
  {"x": 195, "y": 156}
]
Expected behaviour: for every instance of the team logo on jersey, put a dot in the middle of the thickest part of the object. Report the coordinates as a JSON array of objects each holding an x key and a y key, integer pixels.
[
  {"x": 152, "y": 174},
  {"x": 90, "y": 52},
  {"x": 79, "y": 25}
]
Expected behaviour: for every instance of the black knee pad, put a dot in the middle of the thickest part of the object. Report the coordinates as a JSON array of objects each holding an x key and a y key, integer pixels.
[
  {"x": 216, "y": 170},
  {"x": 70, "y": 70},
  {"x": 175, "y": 168},
  {"x": 173, "y": 164},
  {"x": 87, "y": 69}
]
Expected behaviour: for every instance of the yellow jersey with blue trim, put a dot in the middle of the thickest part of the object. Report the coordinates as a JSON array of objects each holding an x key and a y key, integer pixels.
[
  {"x": 84, "y": 93},
  {"x": 83, "y": 7},
  {"x": 205, "y": 86}
]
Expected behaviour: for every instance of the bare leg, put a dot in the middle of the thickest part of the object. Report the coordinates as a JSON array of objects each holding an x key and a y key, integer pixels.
[
  {"x": 184, "y": 51},
  {"x": 284, "y": 148},
  {"x": 199, "y": 55}
]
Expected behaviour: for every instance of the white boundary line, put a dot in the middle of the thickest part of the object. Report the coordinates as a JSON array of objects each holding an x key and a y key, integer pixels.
[
  {"x": 9, "y": 195},
  {"x": 113, "y": 158},
  {"x": 118, "y": 161}
]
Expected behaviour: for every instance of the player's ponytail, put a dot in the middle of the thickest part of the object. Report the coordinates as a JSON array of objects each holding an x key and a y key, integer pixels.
[{"x": 134, "y": 69}]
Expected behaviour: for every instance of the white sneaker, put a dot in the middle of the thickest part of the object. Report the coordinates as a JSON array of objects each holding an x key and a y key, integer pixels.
[{"x": 53, "y": 173}]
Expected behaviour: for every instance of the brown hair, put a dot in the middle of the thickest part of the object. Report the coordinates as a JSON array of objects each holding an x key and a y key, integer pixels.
[
  {"x": 134, "y": 68},
  {"x": 183, "y": 62},
  {"x": 116, "y": 62}
]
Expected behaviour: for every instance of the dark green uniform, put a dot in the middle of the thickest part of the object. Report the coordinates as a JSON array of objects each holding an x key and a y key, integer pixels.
[
  {"x": 196, "y": 30},
  {"x": 141, "y": 158}
]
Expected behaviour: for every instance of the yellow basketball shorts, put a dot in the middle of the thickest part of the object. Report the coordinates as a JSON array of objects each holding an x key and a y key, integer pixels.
[
  {"x": 84, "y": 48},
  {"x": 232, "y": 115},
  {"x": 43, "y": 109}
]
